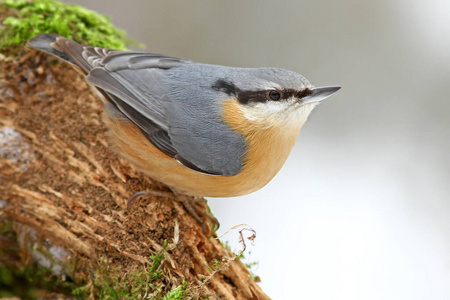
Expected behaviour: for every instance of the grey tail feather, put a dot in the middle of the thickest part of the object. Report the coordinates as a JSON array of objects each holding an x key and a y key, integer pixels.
[{"x": 44, "y": 42}]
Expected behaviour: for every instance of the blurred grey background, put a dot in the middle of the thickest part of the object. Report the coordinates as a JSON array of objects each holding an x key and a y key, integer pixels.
[{"x": 361, "y": 209}]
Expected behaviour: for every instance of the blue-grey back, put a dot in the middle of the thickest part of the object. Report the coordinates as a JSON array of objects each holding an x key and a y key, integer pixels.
[
  {"x": 181, "y": 101},
  {"x": 194, "y": 112}
]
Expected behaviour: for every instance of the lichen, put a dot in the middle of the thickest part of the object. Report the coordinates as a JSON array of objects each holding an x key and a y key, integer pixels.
[{"x": 15, "y": 148}]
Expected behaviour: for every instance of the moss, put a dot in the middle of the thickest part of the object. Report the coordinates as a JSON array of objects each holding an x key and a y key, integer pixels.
[
  {"x": 178, "y": 293},
  {"x": 19, "y": 278},
  {"x": 99, "y": 280},
  {"x": 28, "y": 18},
  {"x": 145, "y": 283}
]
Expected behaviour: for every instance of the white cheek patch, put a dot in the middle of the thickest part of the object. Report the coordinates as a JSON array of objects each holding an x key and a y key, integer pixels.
[{"x": 284, "y": 113}]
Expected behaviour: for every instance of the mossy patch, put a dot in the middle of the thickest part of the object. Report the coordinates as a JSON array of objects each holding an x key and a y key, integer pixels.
[
  {"x": 143, "y": 283},
  {"x": 20, "y": 277},
  {"x": 28, "y": 18}
]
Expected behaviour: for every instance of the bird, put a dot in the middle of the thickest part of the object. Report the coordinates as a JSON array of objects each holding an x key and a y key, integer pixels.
[{"x": 203, "y": 130}]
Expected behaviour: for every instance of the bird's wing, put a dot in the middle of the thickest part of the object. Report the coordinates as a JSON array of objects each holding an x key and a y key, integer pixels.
[{"x": 132, "y": 83}]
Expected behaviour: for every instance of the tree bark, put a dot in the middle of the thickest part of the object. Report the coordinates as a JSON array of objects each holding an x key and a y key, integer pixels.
[{"x": 63, "y": 187}]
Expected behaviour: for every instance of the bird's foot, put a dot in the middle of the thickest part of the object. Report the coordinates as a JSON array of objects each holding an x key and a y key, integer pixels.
[{"x": 197, "y": 207}]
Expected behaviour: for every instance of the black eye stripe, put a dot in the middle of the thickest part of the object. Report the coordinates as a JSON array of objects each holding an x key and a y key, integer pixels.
[
  {"x": 226, "y": 87},
  {"x": 297, "y": 94},
  {"x": 246, "y": 97}
]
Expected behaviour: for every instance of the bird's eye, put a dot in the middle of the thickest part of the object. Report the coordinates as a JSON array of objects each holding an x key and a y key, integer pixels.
[{"x": 274, "y": 95}]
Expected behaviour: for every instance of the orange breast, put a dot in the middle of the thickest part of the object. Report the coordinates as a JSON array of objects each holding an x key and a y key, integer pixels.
[{"x": 267, "y": 151}]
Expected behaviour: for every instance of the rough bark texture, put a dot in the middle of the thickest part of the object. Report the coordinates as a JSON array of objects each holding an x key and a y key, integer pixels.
[{"x": 61, "y": 182}]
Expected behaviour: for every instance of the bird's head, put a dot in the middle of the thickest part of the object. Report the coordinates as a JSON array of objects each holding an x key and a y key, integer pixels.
[{"x": 270, "y": 97}]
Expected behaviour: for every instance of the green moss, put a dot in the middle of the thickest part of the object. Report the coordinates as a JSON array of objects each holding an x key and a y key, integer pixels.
[
  {"x": 29, "y": 18},
  {"x": 110, "y": 283},
  {"x": 29, "y": 280},
  {"x": 178, "y": 293},
  {"x": 144, "y": 282}
]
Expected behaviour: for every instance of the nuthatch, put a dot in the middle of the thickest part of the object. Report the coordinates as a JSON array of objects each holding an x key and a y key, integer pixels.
[{"x": 204, "y": 130}]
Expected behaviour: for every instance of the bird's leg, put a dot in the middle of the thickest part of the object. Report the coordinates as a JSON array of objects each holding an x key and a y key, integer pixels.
[{"x": 190, "y": 203}]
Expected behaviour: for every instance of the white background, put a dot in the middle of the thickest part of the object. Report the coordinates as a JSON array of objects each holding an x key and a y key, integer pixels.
[{"x": 361, "y": 208}]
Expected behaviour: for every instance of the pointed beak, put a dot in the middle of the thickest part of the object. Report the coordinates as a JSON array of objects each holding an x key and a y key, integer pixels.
[{"x": 320, "y": 93}]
